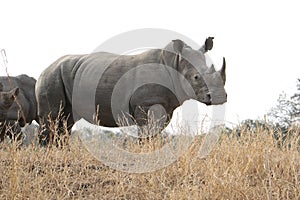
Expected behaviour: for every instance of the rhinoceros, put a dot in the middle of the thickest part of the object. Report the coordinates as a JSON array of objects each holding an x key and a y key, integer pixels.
[
  {"x": 17, "y": 102},
  {"x": 108, "y": 85}
]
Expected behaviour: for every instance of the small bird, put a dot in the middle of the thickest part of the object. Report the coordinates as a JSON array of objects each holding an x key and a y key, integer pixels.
[{"x": 209, "y": 43}]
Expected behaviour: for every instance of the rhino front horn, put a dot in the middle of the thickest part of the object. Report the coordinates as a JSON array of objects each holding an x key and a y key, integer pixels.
[{"x": 223, "y": 71}]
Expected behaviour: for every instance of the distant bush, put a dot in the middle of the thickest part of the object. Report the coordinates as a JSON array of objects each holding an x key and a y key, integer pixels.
[
  {"x": 251, "y": 127},
  {"x": 287, "y": 111}
]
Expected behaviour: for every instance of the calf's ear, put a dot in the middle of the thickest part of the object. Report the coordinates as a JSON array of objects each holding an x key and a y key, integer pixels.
[{"x": 14, "y": 93}]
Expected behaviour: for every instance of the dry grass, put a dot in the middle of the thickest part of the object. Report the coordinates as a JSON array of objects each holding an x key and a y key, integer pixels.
[{"x": 247, "y": 167}]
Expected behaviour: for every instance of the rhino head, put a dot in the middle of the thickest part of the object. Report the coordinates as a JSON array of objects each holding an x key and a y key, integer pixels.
[
  {"x": 6, "y": 100},
  {"x": 207, "y": 83}
]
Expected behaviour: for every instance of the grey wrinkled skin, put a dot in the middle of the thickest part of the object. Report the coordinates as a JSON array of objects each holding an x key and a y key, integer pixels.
[
  {"x": 17, "y": 102},
  {"x": 54, "y": 88}
]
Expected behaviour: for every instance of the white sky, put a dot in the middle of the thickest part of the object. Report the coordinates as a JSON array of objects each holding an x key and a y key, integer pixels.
[{"x": 260, "y": 39}]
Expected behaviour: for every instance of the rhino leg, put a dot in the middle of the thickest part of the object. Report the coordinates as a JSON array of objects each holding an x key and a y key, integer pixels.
[
  {"x": 12, "y": 129},
  {"x": 53, "y": 107},
  {"x": 151, "y": 120},
  {"x": 2, "y": 131}
]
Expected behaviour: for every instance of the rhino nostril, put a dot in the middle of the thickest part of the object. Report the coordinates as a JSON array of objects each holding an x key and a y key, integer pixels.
[{"x": 208, "y": 96}]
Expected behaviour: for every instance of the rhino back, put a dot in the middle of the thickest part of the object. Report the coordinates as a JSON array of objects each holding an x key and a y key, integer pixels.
[
  {"x": 97, "y": 77},
  {"x": 27, "y": 85},
  {"x": 58, "y": 76},
  {"x": 57, "y": 82}
]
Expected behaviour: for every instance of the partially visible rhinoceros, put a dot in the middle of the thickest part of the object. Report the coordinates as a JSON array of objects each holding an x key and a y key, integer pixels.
[
  {"x": 159, "y": 80},
  {"x": 17, "y": 102}
]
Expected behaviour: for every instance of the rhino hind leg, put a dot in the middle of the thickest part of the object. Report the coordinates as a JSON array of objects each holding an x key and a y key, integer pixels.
[
  {"x": 55, "y": 125},
  {"x": 52, "y": 118}
]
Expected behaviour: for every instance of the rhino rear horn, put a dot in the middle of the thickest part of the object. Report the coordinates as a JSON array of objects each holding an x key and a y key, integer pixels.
[
  {"x": 223, "y": 71},
  {"x": 211, "y": 69}
]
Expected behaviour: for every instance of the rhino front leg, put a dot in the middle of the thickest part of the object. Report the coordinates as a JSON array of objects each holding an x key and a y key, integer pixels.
[
  {"x": 150, "y": 119},
  {"x": 2, "y": 131},
  {"x": 157, "y": 117},
  {"x": 12, "y": 129}
]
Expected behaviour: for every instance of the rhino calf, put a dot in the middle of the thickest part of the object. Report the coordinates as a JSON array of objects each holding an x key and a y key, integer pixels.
[
  {"x": 6, "y": 101},
  {"x": 55, "y": 86},
  {"x": 17, "y": 103}
]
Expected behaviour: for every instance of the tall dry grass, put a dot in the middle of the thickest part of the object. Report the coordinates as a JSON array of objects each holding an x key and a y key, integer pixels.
[{"x": 251, "y": 166}]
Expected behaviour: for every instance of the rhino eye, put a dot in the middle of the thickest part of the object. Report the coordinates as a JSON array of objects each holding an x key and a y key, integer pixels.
[{"x": 196, "y": 77}]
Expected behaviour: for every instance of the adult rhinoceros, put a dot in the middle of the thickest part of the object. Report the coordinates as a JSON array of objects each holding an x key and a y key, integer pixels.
[
  {"x": 65, "y": 85},
  {"x": 17, "y": 102}
]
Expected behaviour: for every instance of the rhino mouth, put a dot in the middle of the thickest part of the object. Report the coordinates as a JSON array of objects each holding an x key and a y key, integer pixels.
[
  {"x": 208, "y": 100},
  {"x": 208, "y": 103}
]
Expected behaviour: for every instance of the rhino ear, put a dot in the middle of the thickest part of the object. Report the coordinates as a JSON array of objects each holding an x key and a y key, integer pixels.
[
  {"x": 178, "y": 46},
  {"x": 1, "y": 87},
  {"x": 223, "y": 71}
]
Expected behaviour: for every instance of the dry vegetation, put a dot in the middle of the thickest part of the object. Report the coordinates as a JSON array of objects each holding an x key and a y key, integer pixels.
[{"x": 251, "y": 166}]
